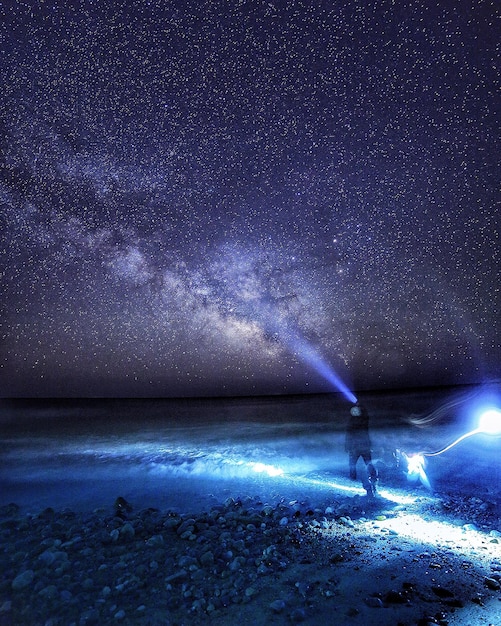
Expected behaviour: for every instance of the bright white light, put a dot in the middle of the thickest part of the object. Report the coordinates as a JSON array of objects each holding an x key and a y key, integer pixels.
[
  {"x": 415, "y": 464},
  {"x": 271, "y": 470},
  {"x": 490, "y": 422}
]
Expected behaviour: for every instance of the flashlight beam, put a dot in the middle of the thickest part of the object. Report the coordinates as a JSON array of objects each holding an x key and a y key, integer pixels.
[{"x": 311, "y": 356}]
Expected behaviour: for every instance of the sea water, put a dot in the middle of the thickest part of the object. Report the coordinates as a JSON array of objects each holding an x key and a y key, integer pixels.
[{"x": 187, "y": 454}]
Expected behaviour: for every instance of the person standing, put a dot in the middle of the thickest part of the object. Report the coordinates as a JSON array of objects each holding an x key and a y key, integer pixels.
[{"x": 358, "y": 444}]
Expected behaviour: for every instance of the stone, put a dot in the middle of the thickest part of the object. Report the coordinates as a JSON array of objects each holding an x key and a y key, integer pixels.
[
  {"x": 492, "y": 583},
  {"x": 298, "y": 615},
  {"x": 6, "y": 606},
  {"x": 188, "y": 526},
  {"x": 122, "y": 506},
  {"x": 395, "y": 597},
  {"x": 23, "y": 580},
  {"x": 155, "y": 540},
  {"x": 277, "y": 606},
  {"x": 90, "y": 616},
  {"x": 179, "y": 575},
  {"x": 127, "y": 531},
  {"x": 442, "y": 592},
  {"x": 207, "y": 558},
  {"x": 50, "y": 592}
]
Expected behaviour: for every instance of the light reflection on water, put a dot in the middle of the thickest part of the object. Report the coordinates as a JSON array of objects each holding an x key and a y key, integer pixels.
[{"x": 270, "y": 449}]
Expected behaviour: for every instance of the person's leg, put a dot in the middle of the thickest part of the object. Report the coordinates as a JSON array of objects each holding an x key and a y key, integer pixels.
[
  {"x": 353, "y": 458},
  {"x": 371, "y": 479}
]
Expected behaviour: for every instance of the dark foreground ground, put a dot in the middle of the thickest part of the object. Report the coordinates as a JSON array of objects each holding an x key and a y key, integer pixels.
[{"x": 426, "y": 560}]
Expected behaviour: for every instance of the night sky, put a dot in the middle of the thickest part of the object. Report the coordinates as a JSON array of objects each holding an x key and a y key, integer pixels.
[{"x": 197, "y": 197}]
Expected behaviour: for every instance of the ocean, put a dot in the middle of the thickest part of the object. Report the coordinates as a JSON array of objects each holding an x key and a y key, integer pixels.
[{"x": 187, "y": 454}]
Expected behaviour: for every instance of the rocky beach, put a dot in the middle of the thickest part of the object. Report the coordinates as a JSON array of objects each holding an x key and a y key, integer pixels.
[{"x": 350, "y": 560}]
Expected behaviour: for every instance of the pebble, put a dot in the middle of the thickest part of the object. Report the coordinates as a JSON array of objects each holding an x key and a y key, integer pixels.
[
  {"x": 277, "y": 606},
  {"x": 95, "y": 569},
  {"x": 298, "y": 615},
  {"x": 492, "y": 583},
  {"x": 23, "y": 580}
]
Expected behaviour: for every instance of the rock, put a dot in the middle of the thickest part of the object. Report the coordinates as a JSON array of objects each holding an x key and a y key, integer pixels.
[
  {"x": 50, "y": 592},
  {"x": 207, "y": 558},
  {"x": 177, "y": 576},
  {"x": 127, "y": 531},
  {"x": 122, "y": 507},
  {"x": 468, "y": 527},
  {"x": 395, "y": 597},
  {"x": 6, "y": 607},
  {"x": 23, "y": 580},
  {"x": 49, "y": 557},
  {"x": 9, "y": 510},
  {"x": 90, "y": 616},
  {"x": 441, "y": 592},
  {"x": 492, "y": 583},
  {"x": 277, "y": 606},
  {"x": 155, "y": 540},
  {"x": 119, "y": 615},
  {"x": 374, "y": 603},
  {"x": 186, "y": 526},
  {"x": 298, "y": 615}
]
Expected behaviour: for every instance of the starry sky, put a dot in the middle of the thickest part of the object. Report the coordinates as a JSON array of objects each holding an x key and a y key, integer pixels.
[{"x": 211, "y": 198}]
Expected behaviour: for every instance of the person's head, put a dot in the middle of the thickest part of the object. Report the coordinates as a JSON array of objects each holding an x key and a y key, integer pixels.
[{"x": 357, "y": 410}]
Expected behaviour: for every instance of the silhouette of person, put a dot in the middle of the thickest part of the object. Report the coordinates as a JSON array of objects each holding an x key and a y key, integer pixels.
[{"x": 358, "y": 444}]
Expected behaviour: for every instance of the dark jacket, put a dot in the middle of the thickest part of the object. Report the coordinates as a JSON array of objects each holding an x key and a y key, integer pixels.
[{"x": 357, "y": 432}]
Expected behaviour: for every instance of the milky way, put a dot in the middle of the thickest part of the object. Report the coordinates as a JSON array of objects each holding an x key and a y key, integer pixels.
[{"x": 188, "y": 189}]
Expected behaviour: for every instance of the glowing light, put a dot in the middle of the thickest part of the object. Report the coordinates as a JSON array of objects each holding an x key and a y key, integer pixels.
[
  {"x": 415, "y": 463},
  {"x": 270, "y": 470},
  {"x": 415, "y": 468},
  {"x": 490, "y": 422}
]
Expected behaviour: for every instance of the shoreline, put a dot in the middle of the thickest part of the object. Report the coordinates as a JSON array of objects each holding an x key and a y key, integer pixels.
[{"x": 350, "y": 560}]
